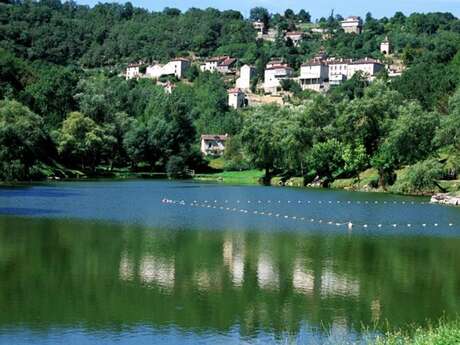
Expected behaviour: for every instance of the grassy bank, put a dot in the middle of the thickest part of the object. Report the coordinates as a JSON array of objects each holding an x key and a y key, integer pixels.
[
  {"x": 445, "y": 333},
  {"x": 248, "y": 177}
]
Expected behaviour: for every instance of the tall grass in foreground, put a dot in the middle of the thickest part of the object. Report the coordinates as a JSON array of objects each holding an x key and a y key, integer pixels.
[{"x": 445, "y": 333}]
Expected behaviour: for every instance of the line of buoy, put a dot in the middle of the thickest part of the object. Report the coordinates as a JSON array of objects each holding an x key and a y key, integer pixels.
[
  {"x": 321, "y": 202},
  {"x": 349, "y": 224}
]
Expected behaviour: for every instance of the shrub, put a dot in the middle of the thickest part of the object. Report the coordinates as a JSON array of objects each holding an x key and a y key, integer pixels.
[{"x": 420, "y": 178}]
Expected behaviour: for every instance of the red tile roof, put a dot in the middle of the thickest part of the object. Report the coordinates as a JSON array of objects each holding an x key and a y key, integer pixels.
[
  {"x": 234, "y": 90},
  {"x": 214, "y": 137}
]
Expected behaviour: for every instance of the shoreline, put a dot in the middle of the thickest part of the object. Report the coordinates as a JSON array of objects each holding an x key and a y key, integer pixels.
[{"x": 249, "y": 177}]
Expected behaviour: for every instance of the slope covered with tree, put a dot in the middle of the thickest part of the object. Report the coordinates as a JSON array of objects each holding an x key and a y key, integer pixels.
[{"x": 64, "y": 102}]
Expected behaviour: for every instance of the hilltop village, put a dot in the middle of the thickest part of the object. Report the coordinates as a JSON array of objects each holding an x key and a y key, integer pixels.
[{"x": 319, "y": 73}]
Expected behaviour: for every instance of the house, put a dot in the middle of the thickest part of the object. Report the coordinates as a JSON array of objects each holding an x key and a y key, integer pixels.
[
  {"x": 352, "y": 25},
  {"x": 133, "y": 71},
  {"x": 260, "y": 27},
  {"x": 177, "y": 67},
  {"x": 222, "y": 64},
  {"x": 314, "y": 75},
  {"x": 385, "y": 46},
  {"x": 212, "y": 63},
  {"x": 226, "y": 66},
  {"x": 247, "y": 73},
  {"x": 213, "y": 145},
  {"x": 295, "y": 36},
  {"x": 236, "y": 98},
  {"x": 276, "y": 71},
  {"x": 338, "y": 70},
  {"x": 367, "y": 66}
]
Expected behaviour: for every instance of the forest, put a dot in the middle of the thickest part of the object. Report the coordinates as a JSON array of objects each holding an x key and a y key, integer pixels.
[{"x": 66, "y": 109}]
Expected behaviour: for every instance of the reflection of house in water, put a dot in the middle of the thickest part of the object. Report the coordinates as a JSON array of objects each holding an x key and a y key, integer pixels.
[
  {"x": 126, "y": 269},
  {"x": 334, "y": 284},
  {"x": 233, "y": 255},
  {"x": 267, "y": 274},
  {"x": 303, "y": 280},
  {"x": 158, "y": 271}
]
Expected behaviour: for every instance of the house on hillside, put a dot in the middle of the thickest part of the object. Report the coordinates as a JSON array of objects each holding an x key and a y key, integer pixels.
[
  {"x": 295, "y": 36},
  {"x": 222, "y": 64},
  {"x": 260, "y": 28},
  {"x": 213, "y": 145},
  {"x": 133, "y": 71},
  {"x": 227, "y": 66},
  {"x": 177, "y": 67},
  {"x": 369, "y": 67},
  {"x": 352, "y": 25},
  {"x": 275, "y": 71},
  {"x": 314, "y": 75},
  {"x": 236, "y": 98},
  {"x": 247, "y": 73},
  {"x": 338, "y": 70}
]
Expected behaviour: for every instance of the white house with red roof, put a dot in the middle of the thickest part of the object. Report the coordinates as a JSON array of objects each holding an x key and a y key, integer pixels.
[
  {"x": 213, "y": 144},
  {"x": 222, "y": 64},
  {"x": 275, "y": 71}
]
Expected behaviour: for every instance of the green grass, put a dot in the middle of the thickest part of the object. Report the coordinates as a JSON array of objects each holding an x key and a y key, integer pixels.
[
  {"x": 233, "y": 177},
  {"x": 365, "y": 178},
  {"x": 217, "y": 163},
  {"x": 442, "y": 334}
]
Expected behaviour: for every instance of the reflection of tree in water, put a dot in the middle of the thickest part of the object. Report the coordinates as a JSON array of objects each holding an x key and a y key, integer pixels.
[{"x": 63, "y": 272}]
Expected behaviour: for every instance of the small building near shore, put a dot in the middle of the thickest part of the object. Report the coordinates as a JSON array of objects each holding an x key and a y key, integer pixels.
[{"x": 213, "y": 144}]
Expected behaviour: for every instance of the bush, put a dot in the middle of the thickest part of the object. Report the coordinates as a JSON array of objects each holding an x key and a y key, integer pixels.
[{"x": 420, "y": 178}]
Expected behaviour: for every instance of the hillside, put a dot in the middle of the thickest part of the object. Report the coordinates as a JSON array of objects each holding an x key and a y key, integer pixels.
[{"x": 66, "y": 104}]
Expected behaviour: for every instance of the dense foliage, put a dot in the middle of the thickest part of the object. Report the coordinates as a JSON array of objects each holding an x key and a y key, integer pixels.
[{"x": 64, "y": 100}]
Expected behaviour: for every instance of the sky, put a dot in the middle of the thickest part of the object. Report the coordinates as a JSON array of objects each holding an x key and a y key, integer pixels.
[{"x": 317, "y": 8}]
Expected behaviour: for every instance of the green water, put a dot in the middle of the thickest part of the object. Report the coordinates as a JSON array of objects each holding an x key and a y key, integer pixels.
[{"x": 79, "y": 277}]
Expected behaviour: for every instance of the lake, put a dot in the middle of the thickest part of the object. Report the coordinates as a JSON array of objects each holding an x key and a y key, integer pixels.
[{"x": 158, "y": 262}]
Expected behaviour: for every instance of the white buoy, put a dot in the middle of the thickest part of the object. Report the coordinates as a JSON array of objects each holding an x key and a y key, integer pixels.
[{"x": 350, "y": 225}]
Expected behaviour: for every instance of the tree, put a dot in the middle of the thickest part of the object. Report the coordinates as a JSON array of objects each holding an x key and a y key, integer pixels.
[
  {"x": 289, "y": 14},
  {"x": 409, "y": 140},
  {"x": 304, "y": 16},
  {"x": 326, "y": 159},
  {"x": 83, "y": 143},
  {"x": 260, "y": 14},
  {"x": 260, "y": 141},
  {"x": 52, "y": 93},
  {"x": 356, "y": 159},
  {"x": 23, "y": 141}
]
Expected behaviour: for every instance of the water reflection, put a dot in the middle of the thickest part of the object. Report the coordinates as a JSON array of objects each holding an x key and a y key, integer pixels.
[{"x": 65, "y": 273}]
